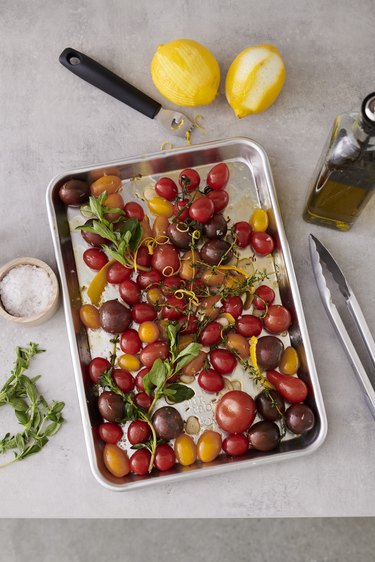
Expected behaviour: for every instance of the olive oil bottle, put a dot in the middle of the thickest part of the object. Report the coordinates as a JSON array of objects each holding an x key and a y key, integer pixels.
[{"x": 345, "y": 177}]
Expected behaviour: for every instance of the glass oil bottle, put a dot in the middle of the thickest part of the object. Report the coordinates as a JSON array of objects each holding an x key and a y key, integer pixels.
[{"x": 345, "y": 177}]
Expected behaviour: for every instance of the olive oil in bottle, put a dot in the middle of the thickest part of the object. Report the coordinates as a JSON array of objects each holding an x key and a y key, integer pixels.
[{"x": 345, "y": 177}]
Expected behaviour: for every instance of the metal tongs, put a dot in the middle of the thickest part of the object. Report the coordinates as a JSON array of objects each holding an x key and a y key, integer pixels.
[
  {"x": 97, "y": 75},
  {"x": 321, "y": 256}
]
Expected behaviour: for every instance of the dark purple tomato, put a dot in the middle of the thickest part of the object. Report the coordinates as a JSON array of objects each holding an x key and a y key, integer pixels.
[
  {"x": 96, "y": 368},
  {"x": 74, "y": 193},
  {"x": 220, "y": 199},
  {"x": 93, "y": 238},
  {"x": 95, "y": 258},
  {"x": 278, "y": 319},
  {"x": 268, "y": 352},
  {"x": 111, "y": 406},
  {"x": 218, "y": 176},
  {"x": 153, "y": 351},
  {"x": 214, "y": 252},
  {"x": 201, "y": 210},
  {"x": 248, "y": 325},
  {"x": 148, "y": 279},
  {"x": 211, "y": 334},
  {"x": 235, "y": 411},
  {"x": 210, "y": 380},
  {"x": 143, "y": 312},
  {"x": 167, "y": 422},
  {"x": 142, "y": 400},
  {"x": 114, "y": 317},
  {"x": 235, "y": 444},
  {"x": 110, "y": 432},
  {"x": 242, "y": 233},
  {"x": 165, "y": 457},
  {"x": 117, "y": 273},
  {"x": 216, "y": 227},
  {"x": 130, "y": 342},
  {"x": 179, "y": 235},
  {"x": 133, "y": 210},
  {"x": 263, "y": 297},
  {"x": 223, "y": 361},
  {"x": 299, "y": 418},
  {"x": 189, "y": 179},
  {"x": 166, "y": 187},
  {"x": 129, "y": 291},
  {"x": 233, "y": 305},
  {"x": 123, "y": 379},
  {"x": 264, "y": 436},
  {"x": 140, "y": 461},
  {"x": 262, "y": 243},
  {"x": 138, "y": 432},
  {"x": 270, "y": 405}
]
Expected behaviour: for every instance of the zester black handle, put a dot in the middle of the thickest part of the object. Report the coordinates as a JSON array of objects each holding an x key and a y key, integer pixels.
[{"x": 94, "y": 73}]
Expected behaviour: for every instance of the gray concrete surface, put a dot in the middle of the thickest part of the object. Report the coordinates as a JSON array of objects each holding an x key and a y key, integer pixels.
[
  {"x": 237, "y": 540},
  {"x": 51, "y": 121}
]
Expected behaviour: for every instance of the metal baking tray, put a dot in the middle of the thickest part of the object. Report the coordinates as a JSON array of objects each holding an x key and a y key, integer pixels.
[{"x": 251, "y": 185}]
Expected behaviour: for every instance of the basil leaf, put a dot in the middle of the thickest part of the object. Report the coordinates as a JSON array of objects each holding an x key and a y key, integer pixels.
[
  {"x": 177, "y": 392},
  {"x": 156, "y": 377},
  {"x": 188, "y": 354}
]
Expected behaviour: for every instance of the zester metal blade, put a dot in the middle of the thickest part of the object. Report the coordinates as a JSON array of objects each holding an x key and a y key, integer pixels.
[{"x": 175, "y": 122}]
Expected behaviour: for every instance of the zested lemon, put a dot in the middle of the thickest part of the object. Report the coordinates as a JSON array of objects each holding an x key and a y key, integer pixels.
[
  {"x": 254, "y": 80},
  {"x": 185, "y": 72}
]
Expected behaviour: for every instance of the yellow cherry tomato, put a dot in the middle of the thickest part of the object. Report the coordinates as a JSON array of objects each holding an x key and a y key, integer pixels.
[
  {"x": 109, "y": 184},
  {"x": 154, "y": 295},
  {"x": 185, "y": 449},
  {"x": 289, "y": 361},
  {"x": 209, "y": 445},
  {"x": 160, "y": 207},
  {"x": 129, "y": 362},
  {"x": 148, "y": 332},
  {"x": 89, "y": 316},
  {"x": 116, "y": 460},
  {"x": 259, "y": 220}
]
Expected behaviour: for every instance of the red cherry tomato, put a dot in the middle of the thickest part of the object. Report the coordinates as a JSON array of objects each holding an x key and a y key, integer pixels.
[
  {"x": 171, "y": 284},
  {"x": 220, "y": 199},
  {"x": 138, "y": 432},
  {"x": 139, "y": 379},
  {"x": 223, "y": 361},
  {"x": 263, "y": 297},
  {"x": 173, "y": 308},
  {"x": 166, "y": 259},
  {"x": 142, "y": 400},
  {"x": 165, "y": 457},
  {"x": 242, "y": 233},
  {"x": 210, "y": 380},
  {"x": 140, "y": 461},
  {"x": 95, "y": 258},
  {"x": 110, "y": 432},
  {"x": 96, "y": 368},
  {"x": 189, "y": 179},
  {"x": 189, "y": 325},
  {"x": 278, "y": 319},
  {"x": 143, "y": 312},
  {"x": 202, "y": 210},
  {"x": 153, "y": 351},
  {"x": 235, "y": 411},
  {"x": 123, "y": 379},
  {"x": 129, "y": 292},
  {"x": 181, "y": 210},
  {"x": 130, "y": 341},
  {"x": 262, "y": 243},
  {"x": 291, "y": 388},
  {"x": 235, "y": 444},
  {"x": 248, "y": 326},
  {"x": 218, "y": 176},
  {"x": 133, "y": 210},
  {"x": 148, "y": 279},
  {"x": 211, "y": 334},
  {"x": 233, "y": 305},
  {"x": 117, "y": 273},
  {"x": 166, "y": 187},
  {"x": 143, "y": 258}
]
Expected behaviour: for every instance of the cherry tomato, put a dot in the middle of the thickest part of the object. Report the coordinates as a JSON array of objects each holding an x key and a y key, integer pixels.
[
  {"x": 153, "y": 351},
  {"x": 140, "y": 461},
  {"x": 160, "y": 207},
  {"x": 248, "y": 325},
  {"x": 218, "y": 176},
  {"x": 148, "y": 332},
  {"x": 291, "y": 388},
  {"x": 263, "y": 297},
  {"x": 181, "y": 209},
  {"x": 96, "y": 368},
  {"x": 202, "y": 210},
  {"x": 129, "y": 362},
  {"x": 235, "y": 444},
  {"x": 185, "y": 449},
  {"x": 133, "y": 210},
  {"x": 173, "y": 308},
  {"x": 143, "y": 258},
  {"x": 142, "y": 400},
  {"x": 166, "y": 260},
  {"x": 130, "y": 342},
  {"x": 129, "y": 291},
  {"x": 143, "y": 312},
  {"x": 113, "y": 201},
  {"x": 233, "y": 305},
  {"x": 189, "y": 179},
  {"x": 166, "y": 187},
  {"x": 90, "y": 316},
  {"x": 235, "y": 412},
  {"x": 154, "y": 296},
  {"x": 165, "y": 457},
  {"x": 189, "y": 324},
  {"x": 242, "y": 233},
  {"x": 211, "y": 334},
  {"x": 110, "y": 432},
  {"x": 220, "y": 199},
  {"x": 109, "y": 184},
  {"x": 209, "y": 445},
  {"x": 117, "y": 273},
  {"x": 138, "y": 432},
  {"x": 139, "y": 379},
  {"x": 259, "y": 220},
  {"x": 262, "y": 243},
  {"x": 123, "y": 379},
  {"x": 148, "y": 279},
  {"x": 223, "y": 361},
  {"x": 278, "y": 319},
  {"x": 171, "y": 284},
  {"x": 116, "y": 460},
  {"x": 95, "y": 258},
  {"x": 289, "y": 362},
  {"x": 299, "y": 418},
  {"x": 238, "y": 343},
  {"x": 264, "y": 436},
  {"x": 210, "y": 380}
]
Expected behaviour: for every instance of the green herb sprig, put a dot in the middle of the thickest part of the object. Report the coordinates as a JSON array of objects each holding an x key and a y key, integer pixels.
[{"x": 40, "y": 420}]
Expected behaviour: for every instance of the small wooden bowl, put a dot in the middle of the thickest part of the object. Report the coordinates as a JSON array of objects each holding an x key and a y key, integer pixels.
[{"x": 53, "y": 303}]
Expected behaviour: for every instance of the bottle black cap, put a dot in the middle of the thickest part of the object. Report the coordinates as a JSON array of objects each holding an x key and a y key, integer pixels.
[{"x": 368, "y": 109}]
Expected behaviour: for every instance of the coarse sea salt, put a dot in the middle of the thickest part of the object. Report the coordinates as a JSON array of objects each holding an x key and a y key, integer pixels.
[{"x": 26, "y": 290}]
